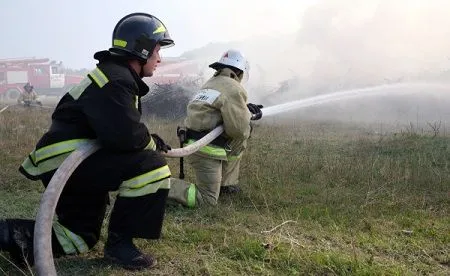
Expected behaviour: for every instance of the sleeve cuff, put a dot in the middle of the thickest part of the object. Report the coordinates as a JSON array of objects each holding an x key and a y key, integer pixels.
[{"x": 151, "y": 145}]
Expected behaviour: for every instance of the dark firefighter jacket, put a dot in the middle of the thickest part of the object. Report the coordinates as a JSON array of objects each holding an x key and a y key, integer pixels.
[{"x": 104, "y": 106}]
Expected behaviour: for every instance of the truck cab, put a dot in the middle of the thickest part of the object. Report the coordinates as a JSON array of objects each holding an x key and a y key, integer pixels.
[{"x": 47, "y": 76}]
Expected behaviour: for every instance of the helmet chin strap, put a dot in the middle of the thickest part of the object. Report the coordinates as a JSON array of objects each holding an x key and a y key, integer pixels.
[
  {"x": 149, "y": 50},
  {"x": 141, "y": 73}
]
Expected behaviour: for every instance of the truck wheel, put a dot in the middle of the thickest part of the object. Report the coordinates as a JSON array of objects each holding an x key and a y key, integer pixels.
[{"x": 12, "y": 94}]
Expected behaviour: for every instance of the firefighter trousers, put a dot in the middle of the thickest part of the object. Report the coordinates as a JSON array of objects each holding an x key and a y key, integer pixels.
[
  {"x": 210, "y": 175},
  {"x": 142, "y": 180}
]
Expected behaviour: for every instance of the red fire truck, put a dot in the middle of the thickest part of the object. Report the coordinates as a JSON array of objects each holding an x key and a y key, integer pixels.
[
  {"x": 173, "y": 69},
  {"x": 47, "y": 77}
]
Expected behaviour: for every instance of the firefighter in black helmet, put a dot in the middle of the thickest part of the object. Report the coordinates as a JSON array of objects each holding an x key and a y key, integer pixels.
[{"x": 105, "y": 106}]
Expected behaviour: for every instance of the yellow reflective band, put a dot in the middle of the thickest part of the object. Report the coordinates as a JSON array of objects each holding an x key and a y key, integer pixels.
[
  {"x": 144, "y": 179},
  {"x": 56, "y": 149},
  {"x": 65, "y": 243},
  {"x": 160, "y": 29},
  {"x": 151, "y": 145},
  {"x": 69, "y": 241},
  {"x": 76, "y": 91},
  {"x": 99, "y": 78},
  {"x": 210, "y": 150},
  {"x": 120, "y": 43},
  {"x": 149, "y": 188},
  {"x": 234, "y": 157},
  {"x": 136, "y": 101},
  {"x": 45, "y": 166},
  {"x": 191, "y": 196}
]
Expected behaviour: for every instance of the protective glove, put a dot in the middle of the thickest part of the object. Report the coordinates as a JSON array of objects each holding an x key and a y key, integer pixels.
[
  {"x": 255, "y": 109},
  {"x": 160, "y": 145}
]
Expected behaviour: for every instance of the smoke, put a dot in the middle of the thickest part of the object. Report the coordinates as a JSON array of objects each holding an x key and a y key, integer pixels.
[
  {"x": 365, "y": 43},
  {"x": 348, "y": 44},
  {"x": 361, "y": 43}
]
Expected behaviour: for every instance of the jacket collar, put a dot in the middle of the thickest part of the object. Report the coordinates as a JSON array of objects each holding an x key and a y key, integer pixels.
[
  {"x": 106, "y": 56},
  {"x": 227, "y": 72},
  {"x": 142, "y": 86}
]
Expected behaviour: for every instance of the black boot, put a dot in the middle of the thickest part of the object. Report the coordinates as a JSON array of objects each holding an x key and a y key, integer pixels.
[
  {"x": 121, "y": 250},
  {"x": 230, "y": 189},
  {"x": 16, "y": 237},
  {"x": 5, "y": 243}
]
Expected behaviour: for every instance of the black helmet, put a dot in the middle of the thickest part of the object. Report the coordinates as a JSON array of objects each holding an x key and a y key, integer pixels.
[
  {"x": 28, "y": 87},
  {"x": 137, "y": 34}
]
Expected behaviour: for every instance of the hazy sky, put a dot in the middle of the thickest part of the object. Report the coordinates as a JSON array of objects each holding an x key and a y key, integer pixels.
[
  {"x": 72, "y": 31},
  {"x": 323, "y": 45},
  {"x": 328, "y": 43}
]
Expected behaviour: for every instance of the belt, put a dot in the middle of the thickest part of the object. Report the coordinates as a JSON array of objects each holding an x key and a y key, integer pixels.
[{"x": 220, "y": 141}]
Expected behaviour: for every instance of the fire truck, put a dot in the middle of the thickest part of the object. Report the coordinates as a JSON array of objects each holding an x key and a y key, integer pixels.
[
  {"x": 175, "y": 69},
  {"x": 47, "y": 77}
]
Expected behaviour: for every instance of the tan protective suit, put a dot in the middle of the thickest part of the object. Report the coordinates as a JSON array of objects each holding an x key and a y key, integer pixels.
[
  {"x": 27, "y": 97},
  {"x": 221, "y": 101}
]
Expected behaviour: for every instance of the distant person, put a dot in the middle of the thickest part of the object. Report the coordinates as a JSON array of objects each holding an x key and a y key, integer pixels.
[
  {"x": 105, "y": 107},
  {"x": 28, "y": 97},
  {"x": 221, "y": 101}
]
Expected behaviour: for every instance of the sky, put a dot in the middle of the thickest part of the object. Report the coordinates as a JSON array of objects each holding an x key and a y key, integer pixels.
[
  {"x": 327, "y": 44},
  {"x": 322, "y": 45},
  {"x": 71, "y": 31}
]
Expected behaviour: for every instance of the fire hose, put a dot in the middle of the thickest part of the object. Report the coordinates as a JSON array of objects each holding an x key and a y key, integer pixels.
[
  {"x": 43, "y": 254},
  {"x": 3, "y": 109}
]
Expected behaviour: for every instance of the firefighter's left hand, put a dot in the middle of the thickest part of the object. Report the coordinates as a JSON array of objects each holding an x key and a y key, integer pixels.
[
  {"x": 160, "y": 144},
  {"x": 255, "y": 109}
]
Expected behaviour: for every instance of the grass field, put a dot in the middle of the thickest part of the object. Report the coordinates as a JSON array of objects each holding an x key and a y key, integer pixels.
[{"x": 319, "y": 198}]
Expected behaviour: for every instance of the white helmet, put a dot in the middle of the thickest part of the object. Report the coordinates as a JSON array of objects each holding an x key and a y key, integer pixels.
[{"x": 234, "y": 59}]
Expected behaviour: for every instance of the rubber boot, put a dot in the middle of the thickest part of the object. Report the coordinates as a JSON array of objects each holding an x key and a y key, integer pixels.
[{"x": 121, "y": 250}]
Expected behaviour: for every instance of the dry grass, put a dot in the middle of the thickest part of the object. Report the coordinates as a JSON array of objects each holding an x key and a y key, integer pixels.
[{"x": 320, "y": 198}]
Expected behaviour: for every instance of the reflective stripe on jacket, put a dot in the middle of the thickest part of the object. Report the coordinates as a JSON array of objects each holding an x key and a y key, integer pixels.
[{"x": 104, "y": 106}]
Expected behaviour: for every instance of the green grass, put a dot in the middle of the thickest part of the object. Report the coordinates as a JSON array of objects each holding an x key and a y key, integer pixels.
[{"x": 319, "y": 198}]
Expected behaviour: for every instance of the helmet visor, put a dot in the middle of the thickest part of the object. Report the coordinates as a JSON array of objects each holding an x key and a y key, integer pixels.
[{"x": 166, "y": 43}]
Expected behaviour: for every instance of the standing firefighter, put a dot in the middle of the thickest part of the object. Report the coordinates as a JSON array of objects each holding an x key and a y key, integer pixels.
[
  {"x": 221, "y": 101},
  {"x": 104, "y": 106}
]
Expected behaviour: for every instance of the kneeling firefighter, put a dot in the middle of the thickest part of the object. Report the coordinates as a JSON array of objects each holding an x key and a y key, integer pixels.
[
  {"x": 105, "y": 106},
  {"x": 28, "y": 97},
  {"x": 222, "y": 100}
]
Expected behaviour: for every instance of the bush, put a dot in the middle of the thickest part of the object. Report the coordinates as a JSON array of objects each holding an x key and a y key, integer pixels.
[{"x": 169, "y": 101}]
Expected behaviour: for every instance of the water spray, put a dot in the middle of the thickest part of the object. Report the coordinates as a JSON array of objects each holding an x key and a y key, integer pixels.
[{"x": 380, "y": 90}]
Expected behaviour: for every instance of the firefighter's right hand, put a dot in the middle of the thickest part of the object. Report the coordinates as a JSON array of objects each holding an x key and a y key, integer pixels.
[
  {"x": 255, "y": 109},
  {"x": 160, "y": 145}
]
